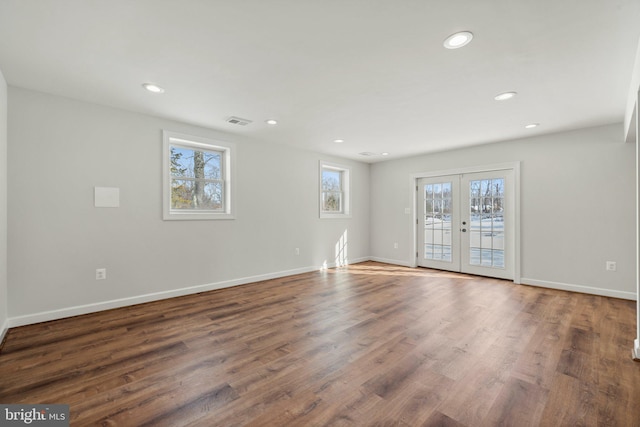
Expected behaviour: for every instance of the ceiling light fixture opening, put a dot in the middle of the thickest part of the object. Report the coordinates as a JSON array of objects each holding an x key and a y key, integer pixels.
[
  {"x": 271, "y": 122},
  {"x": 458, "y": 40},
  {"x": 385, "y": 153},
  {"x": 338, "y": 141},
  {"x": 505, "y": 95},
  {"x": 532, "y": 125},
  {"x": 152, "y": 87}
]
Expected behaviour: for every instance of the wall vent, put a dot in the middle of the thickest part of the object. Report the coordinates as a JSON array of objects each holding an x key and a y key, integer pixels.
[{"x": 238, "y": 121}]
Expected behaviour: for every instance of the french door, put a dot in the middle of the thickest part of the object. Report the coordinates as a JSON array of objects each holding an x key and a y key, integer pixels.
[{"x": 466, "y": 223}]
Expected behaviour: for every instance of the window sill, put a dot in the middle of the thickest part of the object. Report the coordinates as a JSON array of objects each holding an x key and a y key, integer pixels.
[
  {"x": 196, "y": 216},
  {"x": 334, "y": 216}
]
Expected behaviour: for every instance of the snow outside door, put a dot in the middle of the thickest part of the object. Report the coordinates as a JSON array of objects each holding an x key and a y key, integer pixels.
[{"x": 466, "y": 223}]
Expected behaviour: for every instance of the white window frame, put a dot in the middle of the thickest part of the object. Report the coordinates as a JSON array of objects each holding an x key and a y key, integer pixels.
[
  {"x": 228, "y": 168},
  {"x": 346, "y": 190}
]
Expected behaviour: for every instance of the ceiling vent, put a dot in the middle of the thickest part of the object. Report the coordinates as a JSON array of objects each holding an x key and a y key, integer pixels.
[
  {"x": 238, "y": 121},
  {"x": 367, "y": 153}
]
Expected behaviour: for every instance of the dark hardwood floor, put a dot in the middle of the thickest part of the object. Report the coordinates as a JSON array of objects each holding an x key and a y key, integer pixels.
[{"x": 365, "y": 345}]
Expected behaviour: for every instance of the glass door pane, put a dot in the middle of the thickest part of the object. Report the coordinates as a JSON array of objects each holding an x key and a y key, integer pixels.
[
  {"x": 486, "y": 214},
  {"x": 485, "y": 244},
  {"x": 437, "y": 235},
  {"x": 465, "y": 223}
]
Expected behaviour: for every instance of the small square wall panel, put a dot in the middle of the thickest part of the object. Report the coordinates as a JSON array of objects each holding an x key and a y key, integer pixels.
[{"x": 106, "y": 197}]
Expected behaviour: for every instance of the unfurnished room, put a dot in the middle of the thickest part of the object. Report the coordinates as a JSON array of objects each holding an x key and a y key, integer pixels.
[{"x": 319, "y": 213}]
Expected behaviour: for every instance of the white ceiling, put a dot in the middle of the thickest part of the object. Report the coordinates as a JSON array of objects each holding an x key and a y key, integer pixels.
[{"x": 371, "y": 72}]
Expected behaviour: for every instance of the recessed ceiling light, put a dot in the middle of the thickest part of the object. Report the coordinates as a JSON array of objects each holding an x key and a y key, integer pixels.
[
  {"x": 532, "y": 125},
  {"x": 338, "y": 141},
  {"x": 151, "y": 87},
  {"x": 505, "y": 95},
  {"x": 385, "y": 153},
  {"x": 457, "y": 40},
  {"x": 271, "y": 122}
]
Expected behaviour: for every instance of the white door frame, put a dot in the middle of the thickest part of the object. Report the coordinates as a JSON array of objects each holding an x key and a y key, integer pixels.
[{"x": 514, "y": 166}]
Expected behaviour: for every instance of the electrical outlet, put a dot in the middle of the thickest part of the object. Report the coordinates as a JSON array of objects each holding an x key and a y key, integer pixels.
[
  {"x": 611, "y": 266},
  {"x": 101, "y": 273},
  {"x": 395, "y": 246},
  {"x": 297, "y": 251}
]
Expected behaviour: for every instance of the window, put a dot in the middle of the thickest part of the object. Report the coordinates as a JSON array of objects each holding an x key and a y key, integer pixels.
[
  {"x": 334, "y": 191},
  {"x": 197, "y": 178}
]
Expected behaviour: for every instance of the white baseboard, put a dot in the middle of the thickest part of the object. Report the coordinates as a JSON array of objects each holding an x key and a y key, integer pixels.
[
  {"x": 344, "y": 263},
  {"x": 123, "y": 302},
  {"x": 140, "y": 299},
  {"x": 358, "y": 260},
  {"x": 391, "y": 261},
  {"x": 542, "y": 283},
  {"x": 579, "y": 288}
]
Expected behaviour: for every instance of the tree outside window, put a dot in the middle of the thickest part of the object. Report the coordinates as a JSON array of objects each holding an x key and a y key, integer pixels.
[
  {"x": 331, "y": 190},
  {"x": 196, "y": 179},
  {"x": 334, "y": 191},
  {"x": 197, "y": 176}
]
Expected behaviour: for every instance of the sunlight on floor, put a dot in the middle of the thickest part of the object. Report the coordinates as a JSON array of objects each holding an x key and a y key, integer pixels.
[
  {"x": 394, "y": 270},
  {"x": 341, "y": 250}
]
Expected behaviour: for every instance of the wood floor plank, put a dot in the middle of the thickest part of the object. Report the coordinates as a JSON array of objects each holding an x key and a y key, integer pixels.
[
  {"x": 518, "y": 400},
  {"x": 472, "y": 397},
  {"x": 370, "y": 344},
  {"x": 571, "y": 402},
  {"x": 438, "y": 419}
]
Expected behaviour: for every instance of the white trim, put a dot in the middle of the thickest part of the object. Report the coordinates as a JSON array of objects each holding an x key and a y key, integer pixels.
[
  {"x": 346, "y": 189},
  {"x": 579, "y": 288},
  {"x": 545, "y": 284},
  {"x": 46, "y": 316},
  {"x": 514, "y": 166},
  {"x": 469, "y": 169},
  {"x": 228, "y": 171},
  {"x": 636, "y": 349},
  {"x": 517, "y": 272},
  {"x": 327, "y": 265}
]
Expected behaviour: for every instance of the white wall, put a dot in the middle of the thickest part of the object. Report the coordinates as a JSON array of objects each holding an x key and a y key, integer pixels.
[
  {"x": 577, "y": 206},
  {"x": 630, "y": 130},
  {"x": 59, "y": 149},
  {"x": 3, "y": 207},
  {"x": 578, "y": 210}
]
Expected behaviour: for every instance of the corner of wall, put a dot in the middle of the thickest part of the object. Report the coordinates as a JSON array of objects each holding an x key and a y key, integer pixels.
[
  {"x": 630, "y": 112},
  {"x": 4, "y": 305}
]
